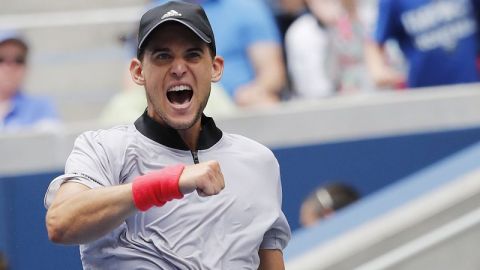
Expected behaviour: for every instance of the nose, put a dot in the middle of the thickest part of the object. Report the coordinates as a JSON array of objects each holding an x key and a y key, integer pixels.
[{"x": 179, "y": 68}]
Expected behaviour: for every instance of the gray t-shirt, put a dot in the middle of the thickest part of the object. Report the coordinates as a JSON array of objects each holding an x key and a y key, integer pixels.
[{"x": 224, "y": 231}]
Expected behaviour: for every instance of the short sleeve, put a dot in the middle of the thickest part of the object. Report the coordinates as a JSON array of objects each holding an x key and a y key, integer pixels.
[
  {"x": 388, "y": 21},
  {"x": 279, "y": 233},
  {"x": 306, "y": 47},
  {"x": 89, "y": 164}
]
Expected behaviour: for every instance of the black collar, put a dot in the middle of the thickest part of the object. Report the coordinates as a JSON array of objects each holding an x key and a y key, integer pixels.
[{"x": 162, "y": 134}]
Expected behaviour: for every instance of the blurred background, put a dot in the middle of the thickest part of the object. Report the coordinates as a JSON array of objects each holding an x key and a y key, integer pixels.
[{"x": 387, "y": 106}]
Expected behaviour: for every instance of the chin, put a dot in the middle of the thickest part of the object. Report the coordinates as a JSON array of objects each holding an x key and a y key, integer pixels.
[{"x": 181, "y": 123}]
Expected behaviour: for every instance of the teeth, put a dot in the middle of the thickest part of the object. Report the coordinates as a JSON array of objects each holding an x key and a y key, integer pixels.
[{"x": 180, "y": 88}]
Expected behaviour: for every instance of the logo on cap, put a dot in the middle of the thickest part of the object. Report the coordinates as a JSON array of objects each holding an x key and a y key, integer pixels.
[{"x": 171, "y": 13}]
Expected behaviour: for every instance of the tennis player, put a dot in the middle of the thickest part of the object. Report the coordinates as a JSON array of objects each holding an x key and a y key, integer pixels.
[{"x": 171, "y": 191}]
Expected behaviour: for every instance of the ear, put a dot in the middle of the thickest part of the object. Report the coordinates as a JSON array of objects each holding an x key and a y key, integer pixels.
[
  {"x": 136, "y": 71},
  {"x": 217, "y": 68}
]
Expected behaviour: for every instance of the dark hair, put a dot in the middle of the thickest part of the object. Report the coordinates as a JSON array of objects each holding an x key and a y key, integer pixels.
[
  {"x": 332, "y": 196},
  {"x": 141, "y": 50}
]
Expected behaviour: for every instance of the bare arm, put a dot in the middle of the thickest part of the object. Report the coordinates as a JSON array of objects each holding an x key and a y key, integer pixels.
[
  {"x": 271, "y": 259},
  {"x": 270, "y": 75},
  {"x": 79, "y": 214},
  {"x": 382, "y": 74}
]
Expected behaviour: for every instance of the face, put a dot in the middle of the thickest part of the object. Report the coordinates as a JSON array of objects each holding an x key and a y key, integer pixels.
[
  {"x": 308, "y": 214},
  {"x": 12, "y": 67},
  {"x": 311, "y": 214},
  {"x": 177, "y": 70}
]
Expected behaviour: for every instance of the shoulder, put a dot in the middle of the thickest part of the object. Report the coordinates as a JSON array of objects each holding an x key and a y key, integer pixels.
[
  {"x": 253, "y": 6},
  {"x": 306, "y": 20},
  {"x": 33, "y": 101},
  {"x": 385, "y": 2},
  {"x": 305, "y": 27},
  {"x": 304, "y": 35},
  {"x": 250, "y": 12},
  {"x": 113, "y": 138},
  {"x": 384, "y": 5},
  {"x": 249, "y": 147}
]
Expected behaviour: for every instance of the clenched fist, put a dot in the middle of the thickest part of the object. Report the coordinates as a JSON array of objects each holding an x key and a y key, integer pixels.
[{"x": 205, "y": 177}]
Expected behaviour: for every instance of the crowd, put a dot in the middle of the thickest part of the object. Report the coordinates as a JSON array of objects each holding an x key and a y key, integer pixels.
[{"x": 281, "y": 50}]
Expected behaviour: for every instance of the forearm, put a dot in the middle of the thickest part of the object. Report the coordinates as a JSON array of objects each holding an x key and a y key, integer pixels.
[
  {"x": 375, "y": 57},
  {"x": 382, "y": 73},
  {"x": 270, "y": 73},
  {"x": 271, "y": 79},
  {"x": 90, "y": 214},
  {"x": 271, "y": 259}
]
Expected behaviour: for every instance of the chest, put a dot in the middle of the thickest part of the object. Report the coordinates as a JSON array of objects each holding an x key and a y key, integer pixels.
[{"x": 249, "y": 199}]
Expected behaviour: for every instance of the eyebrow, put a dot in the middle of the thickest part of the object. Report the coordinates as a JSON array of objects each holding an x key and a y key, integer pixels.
[
  {"x": 195, "y": 49},
  {"x": 160, "y": 49},
  {"x": 192, "y": 49}
]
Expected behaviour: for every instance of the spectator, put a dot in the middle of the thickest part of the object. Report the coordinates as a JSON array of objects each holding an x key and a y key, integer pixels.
[
  {"x": 437, "y": 37},
  {"x": 17, "y": 109},
  {"x": 324, "y": 201},
  {"x": 249, "y": 40},
  {"x": 325, "y": 50}
]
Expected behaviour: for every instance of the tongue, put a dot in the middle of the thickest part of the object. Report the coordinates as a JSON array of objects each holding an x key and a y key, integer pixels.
[{"x": 179, "y": 97}]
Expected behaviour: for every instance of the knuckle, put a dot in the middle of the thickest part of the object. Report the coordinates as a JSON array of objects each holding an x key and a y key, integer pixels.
[{"x": 214, "y": 164}]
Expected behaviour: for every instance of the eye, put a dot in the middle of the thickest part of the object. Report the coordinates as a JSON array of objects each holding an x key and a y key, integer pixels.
[
  {"x": 194, "y": 55},
  {"x": 161, "y": 55}
]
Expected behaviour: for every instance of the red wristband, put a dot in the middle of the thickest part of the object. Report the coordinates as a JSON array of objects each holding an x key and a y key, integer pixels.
[{"x": 157, "y": 188}]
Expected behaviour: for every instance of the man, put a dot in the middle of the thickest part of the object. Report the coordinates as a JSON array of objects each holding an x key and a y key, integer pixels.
[
  {"x": 439, "y": 39},
  {"x": 18, "y": 110},
  {"x": 129, "y": 196}
]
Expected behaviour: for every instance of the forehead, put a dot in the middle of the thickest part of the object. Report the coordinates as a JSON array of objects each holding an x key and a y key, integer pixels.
[
  {"x": 173, "y": 33},
  {"x": 12, "y": 46}
]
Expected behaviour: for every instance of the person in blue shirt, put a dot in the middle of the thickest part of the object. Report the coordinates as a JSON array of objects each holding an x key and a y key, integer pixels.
[
  {"x": 17, "y": 109},
  {"x": 439, "y": 39},
  {"x": 249, "y": 40}
]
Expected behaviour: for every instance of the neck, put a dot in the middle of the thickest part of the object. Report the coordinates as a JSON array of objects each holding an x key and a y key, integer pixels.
[
  {"x": 190, "y": 136},
  {"x": 6, "y": 95}
]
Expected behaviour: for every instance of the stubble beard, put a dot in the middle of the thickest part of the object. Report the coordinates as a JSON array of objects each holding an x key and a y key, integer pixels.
[{"x": 170, "y": 122}]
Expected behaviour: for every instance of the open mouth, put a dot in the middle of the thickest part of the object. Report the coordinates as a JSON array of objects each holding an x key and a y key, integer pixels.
[{"x": 180, "y": 94}]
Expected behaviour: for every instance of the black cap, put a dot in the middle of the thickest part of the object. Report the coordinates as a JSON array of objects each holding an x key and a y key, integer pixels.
[{"x": 191, "y": 15}]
